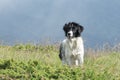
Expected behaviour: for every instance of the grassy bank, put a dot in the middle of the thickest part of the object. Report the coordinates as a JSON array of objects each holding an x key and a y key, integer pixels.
[{"x": 36, "y": 62}]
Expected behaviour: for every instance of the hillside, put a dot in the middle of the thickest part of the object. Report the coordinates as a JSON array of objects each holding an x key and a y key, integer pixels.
[{"x": 38, "y": 62}]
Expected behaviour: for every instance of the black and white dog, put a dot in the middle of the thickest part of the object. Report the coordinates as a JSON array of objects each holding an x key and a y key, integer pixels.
[{"x": 72, "y": 48}]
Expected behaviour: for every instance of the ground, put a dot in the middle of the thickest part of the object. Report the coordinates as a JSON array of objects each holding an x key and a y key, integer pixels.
[{"x": 41, "y": 62}]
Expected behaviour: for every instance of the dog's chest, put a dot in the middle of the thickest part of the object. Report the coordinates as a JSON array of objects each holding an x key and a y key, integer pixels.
[{"x": 72, "y": 45}]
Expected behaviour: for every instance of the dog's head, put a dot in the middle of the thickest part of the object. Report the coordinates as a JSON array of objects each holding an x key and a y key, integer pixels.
[{"x": 72, "y": 30}]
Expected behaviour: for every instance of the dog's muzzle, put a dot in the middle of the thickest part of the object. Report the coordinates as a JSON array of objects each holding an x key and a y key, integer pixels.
[{"x": 70, "y": 34}]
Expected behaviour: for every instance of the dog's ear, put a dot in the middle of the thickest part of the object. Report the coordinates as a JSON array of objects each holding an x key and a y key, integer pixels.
[
  {"x": 65, "y": 27},
  {"x": 80, "y": 28}
]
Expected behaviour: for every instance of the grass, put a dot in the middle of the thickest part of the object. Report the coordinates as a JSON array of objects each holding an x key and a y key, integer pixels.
[{"x": 38, "y": 62}]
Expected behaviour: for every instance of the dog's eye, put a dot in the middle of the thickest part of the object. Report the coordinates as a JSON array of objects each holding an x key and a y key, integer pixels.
[{"x": 73, "y": 28}]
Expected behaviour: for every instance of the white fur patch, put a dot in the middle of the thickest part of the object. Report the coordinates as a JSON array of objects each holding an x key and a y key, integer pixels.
[
  {"x": 73, "y": 51},
  {"x": 70, "y": 33}
]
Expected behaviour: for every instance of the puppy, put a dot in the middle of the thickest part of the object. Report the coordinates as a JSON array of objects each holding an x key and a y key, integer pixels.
[{"x": 72, "y": 48}]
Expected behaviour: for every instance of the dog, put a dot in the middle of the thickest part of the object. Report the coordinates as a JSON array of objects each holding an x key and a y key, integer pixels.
[{"x": 71, "y": 50}]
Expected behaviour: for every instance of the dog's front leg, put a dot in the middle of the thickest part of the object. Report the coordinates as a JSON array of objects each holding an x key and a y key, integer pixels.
[
  {"x": 74, "y": 52},
  {"x": 80, "y": 59},
  {"x": 76, "y": 62}
]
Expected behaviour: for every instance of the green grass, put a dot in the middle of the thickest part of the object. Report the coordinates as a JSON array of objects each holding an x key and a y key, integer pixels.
[{"x": 36, "y": 62}]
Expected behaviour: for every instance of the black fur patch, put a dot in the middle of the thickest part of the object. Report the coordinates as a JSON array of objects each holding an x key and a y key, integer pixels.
[{"x": 75, "y": 27}]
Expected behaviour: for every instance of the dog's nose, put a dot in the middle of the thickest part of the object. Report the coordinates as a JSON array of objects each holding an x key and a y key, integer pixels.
[{"x": 69, "y": 34}]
